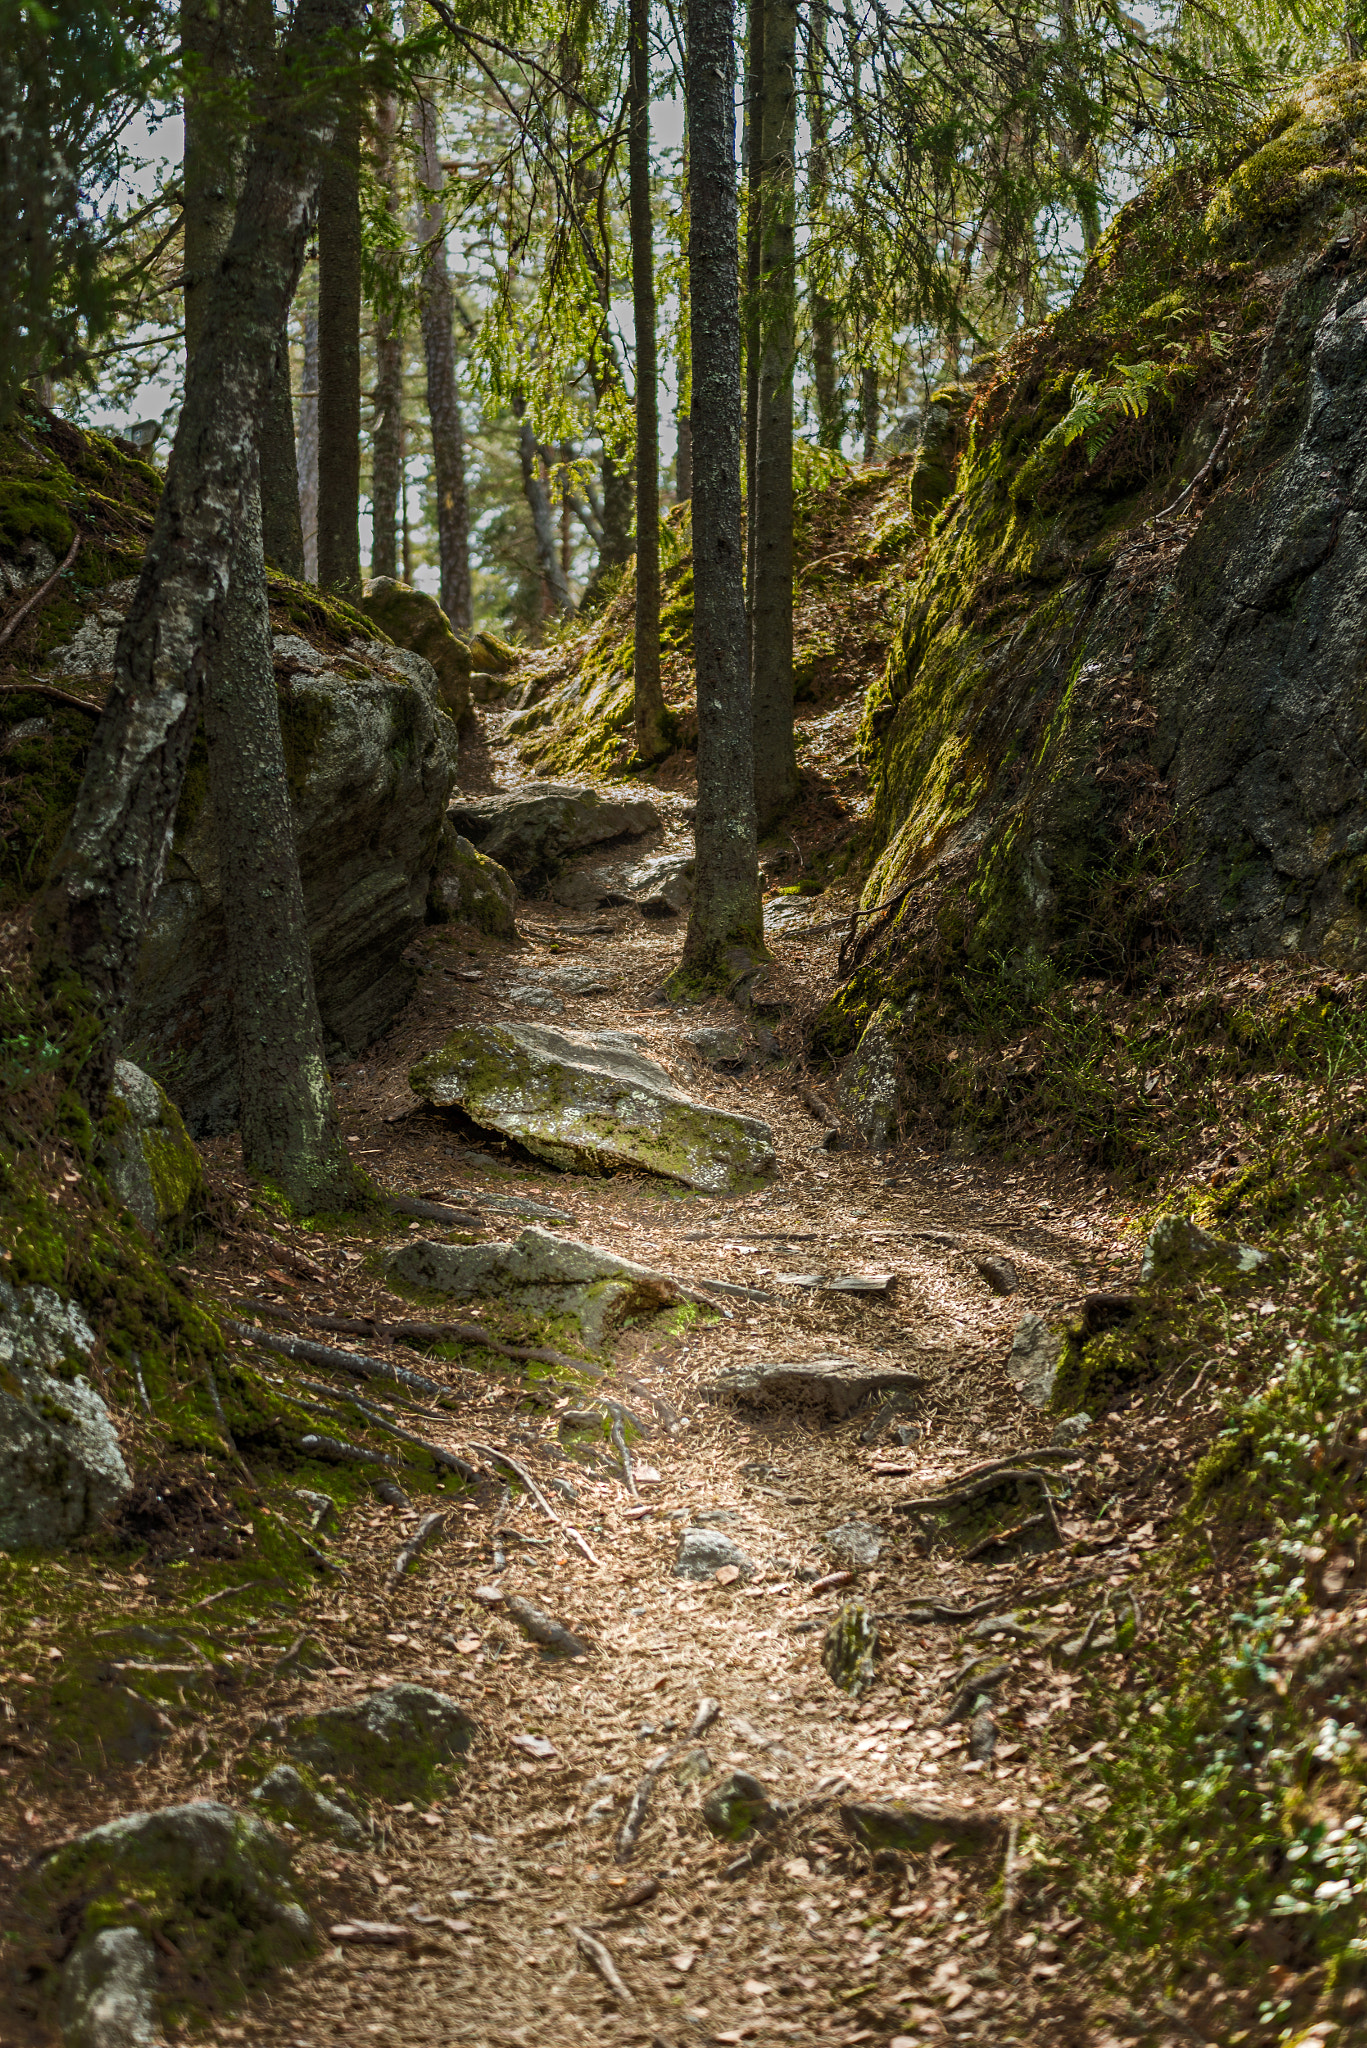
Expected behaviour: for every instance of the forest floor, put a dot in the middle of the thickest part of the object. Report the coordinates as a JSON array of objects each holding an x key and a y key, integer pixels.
[{"x": 496, "y": 1882}]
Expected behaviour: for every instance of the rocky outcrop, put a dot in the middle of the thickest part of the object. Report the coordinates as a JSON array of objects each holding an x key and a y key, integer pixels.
[
  {"x": 542, "y": 1275},
  {"x": 531, "y": 831},
  {"x": 152, "y": 1165},
  {"x": 590, "y": 1101},
  {"x": 412, "y": 619},
  {"x": 836, "y": 1387},
  {"x": 469, "y": 888},
  {"x": 1127, "y": 697},
  {"x": 873, "y": 1086},
  {"x": 1036, "y": 1353},
  {"x": 61, "y": 1468},
  {"x": 371, "y": 759}
]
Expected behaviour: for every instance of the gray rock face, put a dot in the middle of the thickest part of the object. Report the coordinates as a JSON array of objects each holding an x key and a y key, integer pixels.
[
  {"x": 720, "y": 1045},
  {"x": 854, "y": 1544},
  {"x": 874, "y": 1082},
  {"x": 542, "y": 1274},
  {"x": 663, "y": 886},
  {"x": 836, "y": 1387},
  {"x": 61, "y": 1468},
  {"x": 916, "y": 1826},
  {"x": 1177, "y": 1247},
  {"x": 530, "y": 831},
  {"x": 395, "y": 1743},
  {"x": 469, "y": 888},
  {"x": 109, "y": 1991},
  {"x": 371, "y": 757},
  {"x": 705, "y": 1552},
  {"x": 283, "y": 1790},
  {"x": 1033, "y": 1363},
  {"x": 591, "y": 1102},
  {"x": 152, "y": 1164}
]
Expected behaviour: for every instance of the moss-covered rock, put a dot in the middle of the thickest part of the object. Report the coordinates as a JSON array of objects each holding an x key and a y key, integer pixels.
[
  {"x": 401, "y": 1743},
  {"x": 470, "y": 888},
  {"x": 738, "y": 1806},
  {"x": 590, "y": 1101},
  {"x": 847, "y": 1653},
  {"x": 540, "y": 1275},
  {"x": 412, "y": 619},
  {"x": 151, "y": 1163},
  {"x": 61, "y": 1467},
  {"x": 914, "y": 1827},
  {"x": 530, "y": 831},
  {"x": 287, "y": 1794}
]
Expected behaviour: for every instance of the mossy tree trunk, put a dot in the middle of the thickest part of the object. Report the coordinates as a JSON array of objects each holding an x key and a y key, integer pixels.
[
  {"x": 725, "y": 925},
  {"x": 771, "y": 504},
  {"x": 386, "y": 480},
  {"x": 647, "y": 692},
  {"x": 443, "y": 401},
  {"x": 291, "y": 1136},
  {"x": 339, "y": 360},
  {"x": 101, "y": 886},
  {"x": 824, "y": 380}
]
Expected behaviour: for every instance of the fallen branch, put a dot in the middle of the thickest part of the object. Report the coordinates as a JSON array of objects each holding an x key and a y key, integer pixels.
[
  {"x": 541, "y": 1627},
  {"x": 521, "y": 1472},
  {"x": 595, "y": 1953},
  {"x": 629, "y": 1832},
  {"x": 1010, "y": 1535},
  {"x": 434, "y": 1212},
  {"x": 1009, "y": 1870},
  {"x": 427, "y": 1531},
  {"x": 55, "y": 696},
  {"x": 1066, "y": 1457},
  {"x": 619, "y": 1444},
  {"x": 16, "y": 618},
  {"x": 447, "y": 1460},
  {"x": 336, "y": 1451}
]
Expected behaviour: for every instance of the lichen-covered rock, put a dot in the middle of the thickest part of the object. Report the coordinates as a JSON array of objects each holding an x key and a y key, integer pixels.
[
  {"x": 590, "y": 1101},
  {"x": 530, "y": 831},
  {"x": 1177, "y": 1248},
  {"x": 152, "y": 1165},
  {"x": 702, "y": 1553},
  {"x": 397, "y": 1744},
  {"x": 109, "y": 1991},
  {"x": 856, "y": 1544},
  {"x": 914, "y": 1827},
  {"x": 61, "y": 1468},
  {"x": 283, "y": 1793},
  {"x": 835, "y": 1387},
  {"x": 847, "y": 1652},
  {"x": 469, "y": 888},
  {"x": 213, "y": 1884},
  {"x": 873, "y": 1084},
  {"x": 540, "y": 1274},
  {"x": 738, "y": 1806},
  {"x": 1036, "y": 1353},
  {"x": 662, "y": 886},
  {"x": 720, "y": 1045},
  {"x": 416, "y": 621},
  {"x": 370, "y": 755}
]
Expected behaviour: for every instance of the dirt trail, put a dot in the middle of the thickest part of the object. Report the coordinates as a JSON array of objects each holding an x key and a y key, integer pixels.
[{"x": 501, "y": 1880}]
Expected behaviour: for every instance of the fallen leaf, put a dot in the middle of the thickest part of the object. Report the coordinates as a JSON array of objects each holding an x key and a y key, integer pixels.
[
  {"x": 683, "y": 1961},
  {"x": 726, "y": 1575},
  {"x": 534, "y": 1745}
]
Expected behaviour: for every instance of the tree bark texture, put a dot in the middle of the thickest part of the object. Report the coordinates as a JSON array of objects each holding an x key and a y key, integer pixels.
[
  {"x": 339, "y": 360},
  {"x": 824, "y": 379},
  {"x": 281, "y": 525},
  {"x": 386, "y": 434},
  {"x": 647, "y": 691},
  {"x": 683, "y": 461},
  {"x": 553, "y": 577},
  {"x": 771, "y": 506},
  {"x": 107, "y": 871},
  {"x": 443, "y": 403},
  {"x": 307, "y": 447},
  {"x": 868, "y": 409},
  {"x": 752, "y": 147},
  {"x": 725, "y": 925},
  {"x": 291, "y": 1136},
  {"x": 214, "y": 41}
]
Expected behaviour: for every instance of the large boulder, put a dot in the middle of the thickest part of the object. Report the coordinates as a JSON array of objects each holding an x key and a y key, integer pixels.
[
  {"x": 152, "y": 1165},
  {"x": 834, "y": 1387},
  {"x": 61, "y": 1468},
  {"x": 590, "y": 1101},
  {"x": 530, "y": 831},
  {"x": 398, "y": 1743},
  {"x": 371, "y": 759},
  {"x": 109, "y": 1991},
  {"x": 1034, "y": 1359},
  {"x": 873, "y": 1085},
  {"x": 412, "y": 619},
  {"x": 542, "y": 1274},
  {"x": 469, "y": 888}
]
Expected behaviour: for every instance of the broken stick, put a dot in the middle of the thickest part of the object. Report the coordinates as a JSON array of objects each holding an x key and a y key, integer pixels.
[
  {"x": 428, "y": 1529},
  {"x": 595, "y": 1953},
  {"x": 521, "y": 1472}
]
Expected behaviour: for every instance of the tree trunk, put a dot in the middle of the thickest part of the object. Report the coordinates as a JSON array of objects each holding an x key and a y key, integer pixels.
[
  {"x": 443, "y": 404},
  {"x": 828, "y": 420},
  {"x": 339, "y": 361},
  {"x": 647, "y": 693},
  {"x": 868, "y": 409},
  {"x": 752, "y": 144},
  {"x": 725, "y": 925},
  {"x": 539, "y": 505},
  {"x": 771, "y": 506},
  {"x": 308, "y": 440},
  {"x": 96, "y": 900},
  {"x": 291, "y": 1136},
  {"x": 386, "y": 433},
  {"x": 281, "y": 525},
  {"x": 683, "y": 461}
]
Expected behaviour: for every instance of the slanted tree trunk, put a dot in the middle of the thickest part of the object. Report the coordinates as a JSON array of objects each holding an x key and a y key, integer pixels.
[
  {"x": 386, "y": 433},
  {"x": 771, "y": 505},
  {"x": 291, "y": 1136},
  {"x": 282, "y": 529},
  {"x": 443, "y": 402},
  {"x": 339, "y": 360},
  {"x": 94, "y": 907},
  {"x": 828, "y": 420},
  {"x": 553, "y": 577},
  {"x": 647, "y": 692},
  {"x": 725, "y": 925},
  {"x": 307, "y": 448}
]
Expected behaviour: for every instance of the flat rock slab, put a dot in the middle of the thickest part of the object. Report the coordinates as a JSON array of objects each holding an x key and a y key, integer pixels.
[
  {"x": 836, "y": 1386},
  {"x": 395, "y": 1743},
  {"x": 1032, "y": 1366},
  {"x": 914, "y": 1826},
  {"x": 856, "y": 1544},
  {"x": 705, "y": 1552},
  {"x": 590, "y": 1102},
  {"x": 529, "y": 831},
  {"x": 543, "y": 1274}
]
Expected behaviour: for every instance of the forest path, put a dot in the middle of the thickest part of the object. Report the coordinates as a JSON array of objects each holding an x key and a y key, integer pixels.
[{"x": 499, "y": 1881}]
